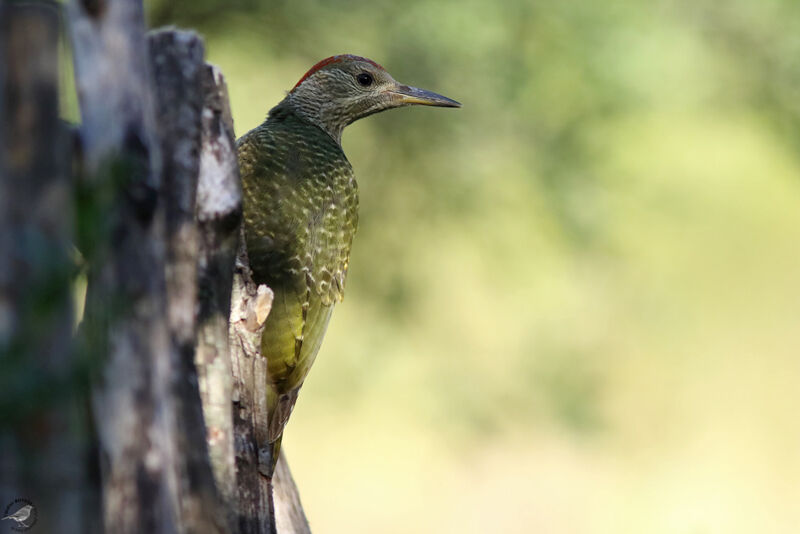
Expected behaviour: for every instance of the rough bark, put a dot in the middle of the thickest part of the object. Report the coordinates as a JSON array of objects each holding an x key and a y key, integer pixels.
[
  {"x": 142, "y": 248},
  {"x": 250, "y": 306},
  {"x": 125, "y": 324},
  {"x": 176, "y": 59},
  {"x": 219, "y": 203},
  {"x": 162, "y": 205},
  {"x": 43, "y": 431}
]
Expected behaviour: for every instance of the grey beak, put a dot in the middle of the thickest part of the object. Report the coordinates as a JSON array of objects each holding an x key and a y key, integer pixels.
[{"x": 413, "y": 95}]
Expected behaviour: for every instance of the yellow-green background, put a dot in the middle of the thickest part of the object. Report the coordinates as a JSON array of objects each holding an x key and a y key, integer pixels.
[{"x": 574, "y": 304}]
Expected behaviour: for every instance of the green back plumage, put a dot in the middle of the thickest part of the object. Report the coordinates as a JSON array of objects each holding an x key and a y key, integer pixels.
[{"x": 300, "y": 216}]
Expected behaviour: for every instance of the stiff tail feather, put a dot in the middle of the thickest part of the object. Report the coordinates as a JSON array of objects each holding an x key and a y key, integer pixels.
[{"x": 279, "y": 409}]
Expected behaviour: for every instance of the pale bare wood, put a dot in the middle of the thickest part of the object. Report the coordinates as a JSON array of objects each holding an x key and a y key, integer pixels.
[
  {"x": 290, "y": 517},
  {"x": 177, "y": 64},
  {"x": 249, "y": 302},
  {"x": 218, "y": 211}
]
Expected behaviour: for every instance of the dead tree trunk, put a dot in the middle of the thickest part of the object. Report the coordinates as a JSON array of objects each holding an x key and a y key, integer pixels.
[
  {"x": 177, "y": 64},
  {"x": 250, "y": 307},
  {"x": 142, "y": 248},
  {"x": 289, "y": 515},
  {"x": 180, "y": 414},
  {"x": 219, "y": 205}
]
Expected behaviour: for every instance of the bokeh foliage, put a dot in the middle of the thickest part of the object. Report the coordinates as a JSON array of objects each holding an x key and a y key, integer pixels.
[{"x": 580, "y": 292}]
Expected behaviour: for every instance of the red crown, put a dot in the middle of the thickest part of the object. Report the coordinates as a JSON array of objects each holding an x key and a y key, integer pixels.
[{"x": 333, "y": 59}]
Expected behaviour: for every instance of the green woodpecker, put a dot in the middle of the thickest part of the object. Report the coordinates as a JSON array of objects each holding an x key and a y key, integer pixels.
[{"x": 301, "y": 211}]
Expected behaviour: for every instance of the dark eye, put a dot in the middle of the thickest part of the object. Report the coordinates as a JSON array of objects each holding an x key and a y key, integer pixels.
[{"x": 364, "y": 79}]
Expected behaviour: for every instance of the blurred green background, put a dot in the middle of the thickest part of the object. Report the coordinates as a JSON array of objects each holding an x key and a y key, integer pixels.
[{"x": 573, "y": 304}]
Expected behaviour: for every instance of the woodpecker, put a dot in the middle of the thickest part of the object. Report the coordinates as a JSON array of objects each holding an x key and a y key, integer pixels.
[{"x": 301, "y": 211}]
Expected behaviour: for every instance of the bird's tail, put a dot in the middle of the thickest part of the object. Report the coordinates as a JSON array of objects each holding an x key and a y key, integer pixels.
[
  {"x": 279, "y": 408},
  {"x": 274, "y": 452}
]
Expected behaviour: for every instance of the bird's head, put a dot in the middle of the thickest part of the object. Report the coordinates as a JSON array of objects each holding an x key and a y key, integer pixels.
[{"x": 342, "y": 89}]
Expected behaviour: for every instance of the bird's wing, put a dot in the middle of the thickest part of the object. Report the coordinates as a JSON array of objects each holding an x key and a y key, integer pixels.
[
  {"x": 332, "y": 236},
  {"x": 304, "y": 309}
]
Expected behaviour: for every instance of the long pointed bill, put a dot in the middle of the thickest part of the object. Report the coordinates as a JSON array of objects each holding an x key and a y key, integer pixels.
[{"x": 406, "y": 95}]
